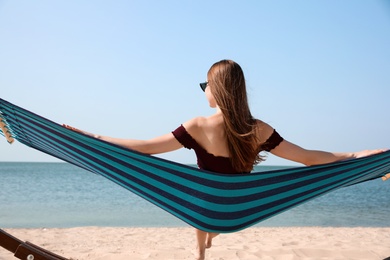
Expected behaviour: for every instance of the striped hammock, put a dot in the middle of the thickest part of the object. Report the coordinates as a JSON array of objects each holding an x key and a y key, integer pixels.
[{"x": 208, "y": 201}]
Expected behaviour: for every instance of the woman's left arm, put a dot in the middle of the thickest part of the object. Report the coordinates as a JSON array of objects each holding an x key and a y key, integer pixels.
[{"x": 161, "y": 144}]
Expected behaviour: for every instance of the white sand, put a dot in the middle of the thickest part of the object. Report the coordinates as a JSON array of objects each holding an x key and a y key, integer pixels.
[{"x": 179, "y": 243}]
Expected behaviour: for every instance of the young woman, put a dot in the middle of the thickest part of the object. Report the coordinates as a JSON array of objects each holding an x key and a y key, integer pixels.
[{"x": 229, "y": 141}]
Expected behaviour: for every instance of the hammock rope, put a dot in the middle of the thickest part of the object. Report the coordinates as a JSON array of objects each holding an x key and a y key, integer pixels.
[{"x": 209, "y": 201}]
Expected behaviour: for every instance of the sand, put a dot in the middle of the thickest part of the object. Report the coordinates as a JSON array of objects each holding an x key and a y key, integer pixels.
[{"x": 290, "y": 243}]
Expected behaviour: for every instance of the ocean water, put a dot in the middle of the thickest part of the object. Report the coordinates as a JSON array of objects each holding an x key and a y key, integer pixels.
[{"x": 37, "y": 195}]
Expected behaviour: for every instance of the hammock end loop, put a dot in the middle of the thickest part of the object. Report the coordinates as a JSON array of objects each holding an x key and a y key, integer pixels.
[
  {"x": 5, "y": 131},
  {"x": 386, "y": 177}
]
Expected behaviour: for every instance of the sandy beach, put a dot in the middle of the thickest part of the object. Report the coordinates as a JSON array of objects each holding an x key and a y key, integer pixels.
[{"x": 291, "y": 243}]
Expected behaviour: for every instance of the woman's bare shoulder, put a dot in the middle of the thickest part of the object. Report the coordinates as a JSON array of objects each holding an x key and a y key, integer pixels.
[
  {"x": 195, "y": 124},
  {"x": 200, "y": 126},
  {"x": 264, "y": 130}
]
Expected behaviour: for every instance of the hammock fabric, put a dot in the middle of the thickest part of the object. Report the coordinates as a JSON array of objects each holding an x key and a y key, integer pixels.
[{"x": 208, "y": 201}]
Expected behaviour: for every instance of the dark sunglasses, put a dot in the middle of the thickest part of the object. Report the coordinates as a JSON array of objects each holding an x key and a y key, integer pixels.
[{"x": 203, "y": 85}]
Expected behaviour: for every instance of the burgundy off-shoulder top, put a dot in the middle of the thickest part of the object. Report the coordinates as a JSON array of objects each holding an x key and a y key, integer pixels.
[{"x": 210, "y": 162}]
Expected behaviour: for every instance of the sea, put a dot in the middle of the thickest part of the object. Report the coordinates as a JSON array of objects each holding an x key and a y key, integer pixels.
[{"x": 60, "y": 195}]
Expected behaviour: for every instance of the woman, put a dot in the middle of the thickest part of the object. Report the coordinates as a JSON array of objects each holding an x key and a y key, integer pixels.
[{"x": 230, "y": 140}]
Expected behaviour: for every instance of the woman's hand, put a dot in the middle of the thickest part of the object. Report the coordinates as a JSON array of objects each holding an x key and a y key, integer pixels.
[
  {"x": 79, "y": 130},
  {"x": 368, "y": 152}
]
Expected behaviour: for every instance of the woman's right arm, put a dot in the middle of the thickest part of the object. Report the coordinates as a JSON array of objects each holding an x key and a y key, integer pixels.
[
  {"x": 293, "y": 152},
  {"x": 298, "y": 154}
]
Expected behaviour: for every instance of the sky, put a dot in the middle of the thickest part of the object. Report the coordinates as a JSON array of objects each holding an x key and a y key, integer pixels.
[{"x": 317, "y": 71}]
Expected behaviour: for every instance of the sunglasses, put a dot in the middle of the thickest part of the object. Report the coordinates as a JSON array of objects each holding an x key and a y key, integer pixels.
[{"x": 203, "y": 85}]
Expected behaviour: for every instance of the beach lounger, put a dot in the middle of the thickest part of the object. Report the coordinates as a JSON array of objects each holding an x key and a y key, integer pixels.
[{"x": 26, "y": 250}]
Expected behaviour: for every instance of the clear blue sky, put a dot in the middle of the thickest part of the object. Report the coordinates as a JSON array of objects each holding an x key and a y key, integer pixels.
[{"x": 317, "y": 71}]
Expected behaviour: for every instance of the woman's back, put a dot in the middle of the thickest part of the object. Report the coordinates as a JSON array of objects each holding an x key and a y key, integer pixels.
[{"x": 209, "y": 133}]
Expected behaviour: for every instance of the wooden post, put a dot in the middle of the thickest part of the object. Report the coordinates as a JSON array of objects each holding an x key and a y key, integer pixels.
[{"x": 26, "y": 250}]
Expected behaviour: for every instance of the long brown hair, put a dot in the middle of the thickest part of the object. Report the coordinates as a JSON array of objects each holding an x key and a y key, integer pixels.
[{"x": 227, "y": 84}]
